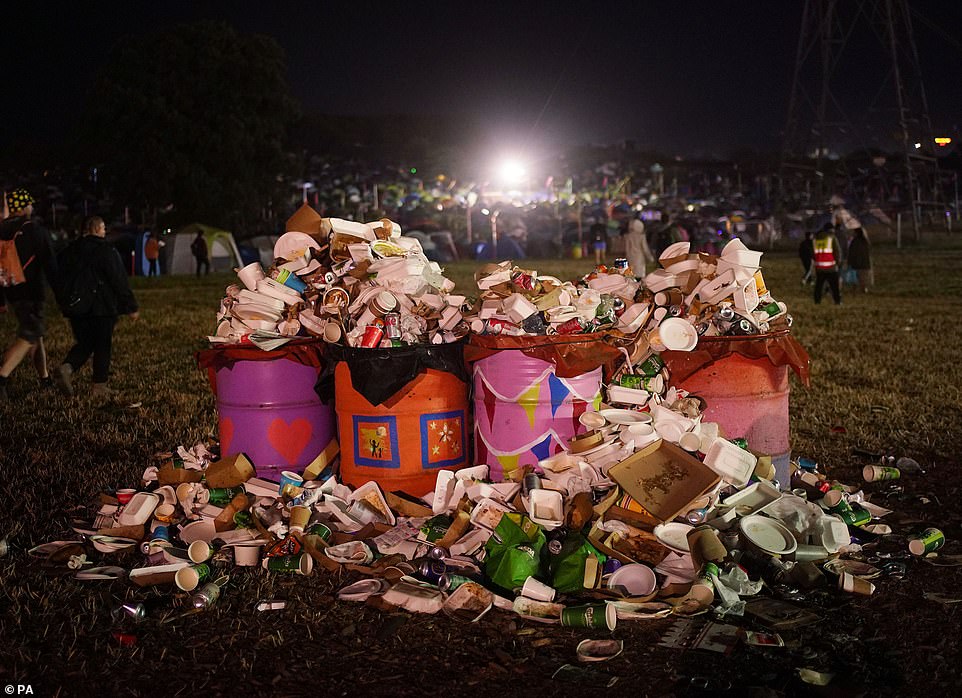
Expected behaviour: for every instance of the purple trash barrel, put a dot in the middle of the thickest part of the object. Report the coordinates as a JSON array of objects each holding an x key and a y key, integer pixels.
[{"x": 270, "y": 411}]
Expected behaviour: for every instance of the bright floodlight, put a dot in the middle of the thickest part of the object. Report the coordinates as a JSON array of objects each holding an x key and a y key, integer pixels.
[{"x": 512, "y": 172}]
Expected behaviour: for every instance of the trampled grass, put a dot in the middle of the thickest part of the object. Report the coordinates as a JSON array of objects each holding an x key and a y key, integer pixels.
[{"x": 886, "y": 378}]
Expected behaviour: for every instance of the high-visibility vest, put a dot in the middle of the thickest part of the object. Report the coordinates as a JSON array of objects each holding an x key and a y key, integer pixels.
[{"x": 824, "y": 253}]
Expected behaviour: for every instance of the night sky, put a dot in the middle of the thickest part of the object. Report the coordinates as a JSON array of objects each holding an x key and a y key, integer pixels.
[{"x": 684, "y": 77}]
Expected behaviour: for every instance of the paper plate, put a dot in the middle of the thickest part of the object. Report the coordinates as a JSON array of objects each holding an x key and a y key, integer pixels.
[
  {"x": 624, "y": 416},
  {"x": 292, "y": 245},
  {"x": 767, "y": 535},
  {"x": 674, "y": 536},
  {"x": 597, "y": 448}
]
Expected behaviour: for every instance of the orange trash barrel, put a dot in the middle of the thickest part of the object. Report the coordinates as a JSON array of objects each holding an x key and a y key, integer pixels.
[
  {"x": 402, "y": 443},
  {"x": 747, "y": 392}
]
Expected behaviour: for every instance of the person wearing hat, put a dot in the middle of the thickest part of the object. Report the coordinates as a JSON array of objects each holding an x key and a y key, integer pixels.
[{"x": 35, "y": 251}]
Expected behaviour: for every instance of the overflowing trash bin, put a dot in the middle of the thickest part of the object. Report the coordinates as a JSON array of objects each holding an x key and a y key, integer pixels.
[
  {"x": 744, "y": 383},
  {"x": 528, "y": 395},
  {"x": 267, "y": 405},
  {"x": 402, "y": 415}
]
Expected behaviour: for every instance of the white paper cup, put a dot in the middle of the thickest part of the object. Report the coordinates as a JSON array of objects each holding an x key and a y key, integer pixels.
[
  {"x": 251, "y": 274},
  {"x": 199, "y": 551},
  {"x": 332, "y": 332},
  {"x": 533, "y": 589},
  {"x": 690, "y": 441},
  {"x": 855, "y": 585},
  {"x": 247, "y": 554}
]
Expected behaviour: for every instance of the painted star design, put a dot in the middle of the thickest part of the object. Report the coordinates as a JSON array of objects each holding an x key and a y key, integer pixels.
[{"x": 436, "y": 450}]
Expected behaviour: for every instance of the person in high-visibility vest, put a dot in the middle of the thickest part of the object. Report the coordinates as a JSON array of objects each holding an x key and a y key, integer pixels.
[{"x": 827, "y": 261}]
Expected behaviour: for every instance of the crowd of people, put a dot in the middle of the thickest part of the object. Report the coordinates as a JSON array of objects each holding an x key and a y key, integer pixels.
[{"x": 89, "y": 283}]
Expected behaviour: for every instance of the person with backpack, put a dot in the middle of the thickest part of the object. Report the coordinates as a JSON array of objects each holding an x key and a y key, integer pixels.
[
  {"x": 94, "y": 292},
  {"x": 26, "y": 257}
]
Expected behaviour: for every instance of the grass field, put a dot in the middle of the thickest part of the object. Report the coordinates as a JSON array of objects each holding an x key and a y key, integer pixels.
[{"x": 886, "y": 377}]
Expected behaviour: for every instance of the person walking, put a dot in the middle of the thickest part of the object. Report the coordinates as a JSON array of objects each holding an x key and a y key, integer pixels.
[
  {"x": 199, "y": 248},
  {"x": 95, "y": 291},
  {"x": 636, "y": 248},
  {"x": 827, "y": 261},
  {"x": 152, "y": 254},
  {"x": 29, "y": 248},
  {"x": 806, "y": 253},
  {"x": 860, "y": 259}
]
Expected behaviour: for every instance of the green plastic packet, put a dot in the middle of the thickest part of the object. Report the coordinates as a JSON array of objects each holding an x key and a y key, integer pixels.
[
  {"x": 434, "y": 528},
  {"x": 567, "y": 568},
  {"x": 514, "y": 551}
]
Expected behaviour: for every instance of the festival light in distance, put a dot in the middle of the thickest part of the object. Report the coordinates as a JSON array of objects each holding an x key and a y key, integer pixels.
[{"x": 942, "y": 141}]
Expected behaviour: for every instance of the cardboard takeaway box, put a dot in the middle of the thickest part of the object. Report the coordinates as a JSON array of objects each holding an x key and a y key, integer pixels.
[{"x": 664, "y": 479}]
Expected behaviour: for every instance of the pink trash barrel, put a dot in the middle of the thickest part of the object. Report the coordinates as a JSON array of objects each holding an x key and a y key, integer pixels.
[
  {"x": 269, "y": 411},
  {"x": 748, "y": 397},
  {"x": 523, "y": 412}
]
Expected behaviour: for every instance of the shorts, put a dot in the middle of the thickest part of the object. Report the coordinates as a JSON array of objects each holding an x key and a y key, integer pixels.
[
  {"x": 601, "y": 246},
  {"x": 29, "y": 315}
]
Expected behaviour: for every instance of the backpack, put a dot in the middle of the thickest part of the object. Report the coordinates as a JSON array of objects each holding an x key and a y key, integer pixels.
[
  {"x": 79, "y": 284},
  {"x": 11, "y": 270}
]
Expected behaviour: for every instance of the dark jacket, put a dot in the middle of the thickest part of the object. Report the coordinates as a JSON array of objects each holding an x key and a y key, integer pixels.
[
  {"x": 859, "y": 253},
  {"x": 35, "y": 250},
  {"x": 806, "y": 251},
  {"x": 113, "y": 295}
]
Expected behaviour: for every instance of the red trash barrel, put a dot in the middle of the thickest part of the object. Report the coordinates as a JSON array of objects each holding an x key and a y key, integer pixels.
[{"x": 747, "y": 397}]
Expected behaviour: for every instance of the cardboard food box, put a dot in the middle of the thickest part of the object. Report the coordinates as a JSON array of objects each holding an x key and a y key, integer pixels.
[{"x": 664, "y": 479}]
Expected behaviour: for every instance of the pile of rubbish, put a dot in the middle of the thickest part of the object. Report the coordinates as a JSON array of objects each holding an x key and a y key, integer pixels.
[
  {"x": 359, "y": 284},
  {"x": 616, "y": 529}
]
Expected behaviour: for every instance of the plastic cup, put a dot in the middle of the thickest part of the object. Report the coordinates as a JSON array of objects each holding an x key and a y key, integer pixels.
[
  {"x": 594, "y": 615},
  {"x": 199, "y": 551},
  {"x": 187, "y": 578},
  {"x": 251, "y": 274},
  {"x": 124, "y": 496},
  {"x": 538, "y": 591}
]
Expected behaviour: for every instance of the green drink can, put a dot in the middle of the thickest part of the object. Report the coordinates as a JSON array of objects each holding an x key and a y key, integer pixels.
[
  {"x": 856, "y": 517},
  {"x": 594, "y": 615},
  {"x": 242, "y": 519},
  {"x": 632, "y": 380},
  {"x": 741, "y": 443},
  {"x": 929, "y": 540},
  {"x": 450, "y": 582},
  {"x": 879, "y": 473}
]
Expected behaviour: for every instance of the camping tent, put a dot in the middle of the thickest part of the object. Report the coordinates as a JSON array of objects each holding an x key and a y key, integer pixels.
[{"x": 221, "y": 249}]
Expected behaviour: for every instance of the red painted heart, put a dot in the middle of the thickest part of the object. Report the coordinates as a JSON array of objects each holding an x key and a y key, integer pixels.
[
  {"x": 289, "y": 440},
  {"x": 226, "y": 430}
]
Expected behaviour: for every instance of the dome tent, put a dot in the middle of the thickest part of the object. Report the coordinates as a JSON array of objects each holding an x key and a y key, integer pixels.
[{"x": 221, "y": 249}]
